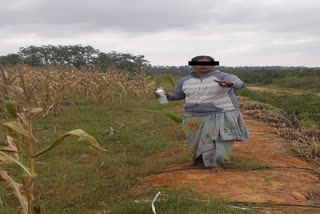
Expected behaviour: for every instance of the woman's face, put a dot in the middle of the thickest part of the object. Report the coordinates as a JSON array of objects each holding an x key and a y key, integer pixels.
[{"x": 203, "y": 68}]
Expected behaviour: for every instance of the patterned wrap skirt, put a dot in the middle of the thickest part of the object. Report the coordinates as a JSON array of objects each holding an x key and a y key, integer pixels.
[{"x": 212, "y": 135}]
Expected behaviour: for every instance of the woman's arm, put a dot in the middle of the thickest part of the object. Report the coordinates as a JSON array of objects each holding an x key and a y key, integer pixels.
[
  {"x": 177, "y": 93},
  {"x": 237, "y": 83}
]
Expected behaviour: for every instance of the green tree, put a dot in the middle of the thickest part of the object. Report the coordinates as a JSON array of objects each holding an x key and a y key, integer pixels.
[{"x": 10, "y": 59}]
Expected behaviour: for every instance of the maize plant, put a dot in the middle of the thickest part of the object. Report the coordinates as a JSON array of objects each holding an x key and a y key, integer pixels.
[
  {"x": 51, "y": 88},
  {"x": 20, "y": 141}
]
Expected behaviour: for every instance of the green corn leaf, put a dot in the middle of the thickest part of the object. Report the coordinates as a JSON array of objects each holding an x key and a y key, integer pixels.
[
  {"x": 173, "y": 116},
  {"x": 148, "y": 110},
  {"x": 168, "y": 78},
  {"x": 77, "y": 132},
  {"x": 166, "y": 112}
]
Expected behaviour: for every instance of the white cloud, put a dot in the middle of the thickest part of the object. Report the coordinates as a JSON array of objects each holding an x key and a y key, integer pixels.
[{"x": 235, "y": 32}]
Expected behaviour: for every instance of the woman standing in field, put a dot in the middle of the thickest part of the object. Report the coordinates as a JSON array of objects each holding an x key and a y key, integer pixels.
[{"x": 212, "y": 120}]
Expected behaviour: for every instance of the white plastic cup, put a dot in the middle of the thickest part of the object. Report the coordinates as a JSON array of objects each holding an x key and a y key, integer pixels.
[{"x": 163, "y": 98}]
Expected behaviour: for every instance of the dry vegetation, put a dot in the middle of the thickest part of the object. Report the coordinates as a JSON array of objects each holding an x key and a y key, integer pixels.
[
  {"x": 303, "y": 141},
  {"x": 50, "y": 88}
]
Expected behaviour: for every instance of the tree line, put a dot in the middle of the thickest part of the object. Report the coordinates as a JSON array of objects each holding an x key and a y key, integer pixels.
[
  {"x": 74, "y": 55},
  {"x": 249, "y": 74},
  {"x": 88, "y": 57}
]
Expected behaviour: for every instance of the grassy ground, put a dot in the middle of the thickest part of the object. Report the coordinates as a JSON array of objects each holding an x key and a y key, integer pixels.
[
  {"x": 294, "y": 85},
  {"x": 75, "y": 179},
  {"x": 284, "y": 90},
  {"x": 304, "y": 84},
  {"x": 304, "y": 107},
  {"x": 280, "y": 88}
]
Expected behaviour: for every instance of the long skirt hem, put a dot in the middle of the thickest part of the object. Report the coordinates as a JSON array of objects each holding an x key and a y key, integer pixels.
[{"x": 212, "y": 136}]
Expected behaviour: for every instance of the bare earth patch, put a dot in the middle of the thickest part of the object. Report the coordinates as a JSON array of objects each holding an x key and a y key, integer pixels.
[
  {"x": 271, "y": 90},
  {"x": 277, "y": 90},
  {"x": 275, "y": 185}
]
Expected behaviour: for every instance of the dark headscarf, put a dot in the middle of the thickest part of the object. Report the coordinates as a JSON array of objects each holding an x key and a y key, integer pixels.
[{"x": 202, "y": 57}]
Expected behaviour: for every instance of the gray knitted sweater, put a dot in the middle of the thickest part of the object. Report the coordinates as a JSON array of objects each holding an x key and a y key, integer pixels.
[{"x": 204, "y": 96}]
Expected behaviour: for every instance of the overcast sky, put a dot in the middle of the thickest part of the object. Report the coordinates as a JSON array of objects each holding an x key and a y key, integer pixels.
[{"x": 171, "y": 32}]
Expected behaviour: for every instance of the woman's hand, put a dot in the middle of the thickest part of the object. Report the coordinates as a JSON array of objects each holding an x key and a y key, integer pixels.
[
  {"x": 167, "y": 92},
  {"x": 226, "y": 83},
  {"x": 156, "y": 95}
]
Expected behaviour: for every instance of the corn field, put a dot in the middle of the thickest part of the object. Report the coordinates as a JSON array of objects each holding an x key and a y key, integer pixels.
[
  {"x": 51, "y": 88},
  {"x": 26, "y": 94}
]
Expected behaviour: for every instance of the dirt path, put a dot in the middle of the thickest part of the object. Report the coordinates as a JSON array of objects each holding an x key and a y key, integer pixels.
[{"x": 275, "y": 185}]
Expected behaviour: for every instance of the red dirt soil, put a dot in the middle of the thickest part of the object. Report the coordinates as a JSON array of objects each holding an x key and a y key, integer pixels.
[{"x": 275, "y": 185}]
